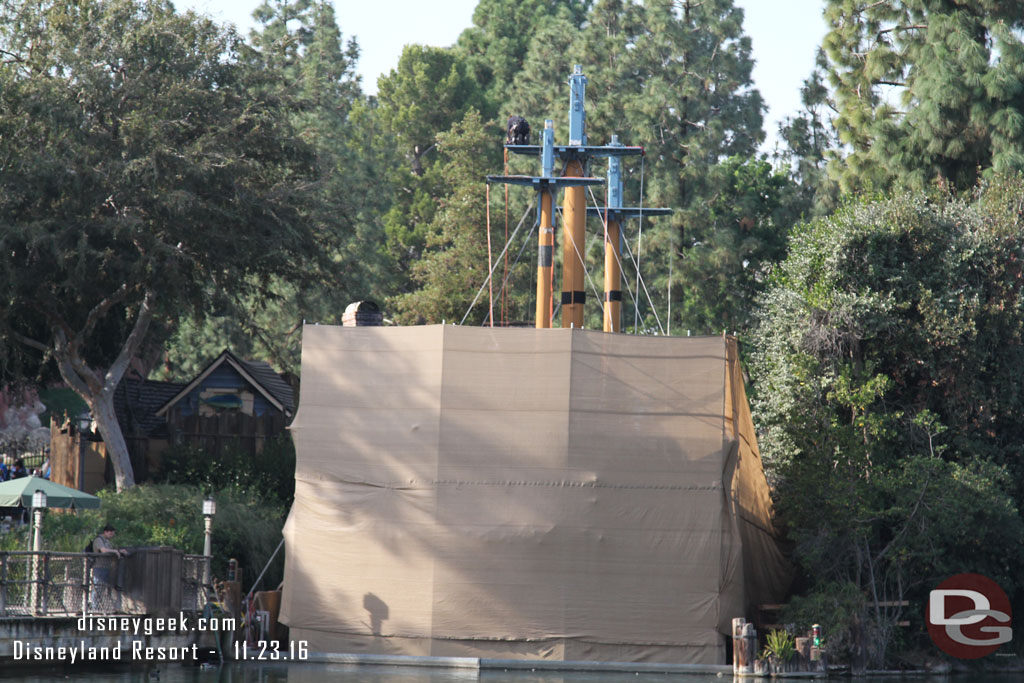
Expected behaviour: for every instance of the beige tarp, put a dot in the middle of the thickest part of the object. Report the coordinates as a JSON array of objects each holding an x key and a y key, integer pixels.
[{"x": 521, "y": 493}]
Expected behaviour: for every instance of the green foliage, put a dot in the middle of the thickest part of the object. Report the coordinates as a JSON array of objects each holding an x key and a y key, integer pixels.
[
  {"x": 780, "y": 644},
  {"x": 502, "y": 34},
  {"x": 145, "y": 168},
  {"x": 61, "y": 403},
  {"x": 809, "y": 139},
  {"x": 299, "y": 49},
  {"x": 429, "y": 92},
  {"x": 739, "y": 234},
  {"x": 926, "y": 91},
  {"x": 454, "y": 264},
  {"x": 245, "y": 527},
  {"x": 838, "y": 607},
  {"x": 887, "y": 365},
  {"x": 268, "y": 475},
  {"x": 691, "y": 112}
]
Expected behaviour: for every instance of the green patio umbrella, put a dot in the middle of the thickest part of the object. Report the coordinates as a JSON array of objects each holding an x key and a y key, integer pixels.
[{"x": 19, "y": 492}]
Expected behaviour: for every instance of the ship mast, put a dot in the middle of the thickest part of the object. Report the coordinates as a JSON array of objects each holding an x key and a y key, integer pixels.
[{"x": 576, "y": 161}]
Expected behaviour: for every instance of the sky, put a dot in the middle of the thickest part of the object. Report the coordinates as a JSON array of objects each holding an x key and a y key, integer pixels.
[{"x": 784, "y": 34}]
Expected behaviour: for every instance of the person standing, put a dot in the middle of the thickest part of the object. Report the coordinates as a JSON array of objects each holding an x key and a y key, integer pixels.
[
  {"x": 103, "y": 598},
  {"x": 104, "y": 542},
  {"x": 19, "y": 470}
]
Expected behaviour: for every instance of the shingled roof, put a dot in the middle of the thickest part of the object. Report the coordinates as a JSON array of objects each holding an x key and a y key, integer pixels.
[
  {"x": 136, "y": 403},
  {"x": 258, "y": 373}
]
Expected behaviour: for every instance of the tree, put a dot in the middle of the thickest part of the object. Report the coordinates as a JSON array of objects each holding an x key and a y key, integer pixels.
[
  {"x": 674, "y": 78},
  {"x": 741, "y": 232},
  {"x": 809, "y": 139},
  {"x": 143, "y": 168},
  {"x": 454, "y": 262},
  {"x": 298, "y": 46},
  {"x": 429, "y": 92},
  {"x": 887, "y": 370},
  {"x": 926, "y": 90},
  {"x": 502, "y": 35}
]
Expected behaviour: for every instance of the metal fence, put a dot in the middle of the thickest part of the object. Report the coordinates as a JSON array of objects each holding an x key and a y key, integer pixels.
[
  {"x": 195, "y": 578},
  {"x": 66, "y": 584}
]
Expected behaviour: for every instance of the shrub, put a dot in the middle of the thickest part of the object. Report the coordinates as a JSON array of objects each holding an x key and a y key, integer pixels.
[
  {"x": 778, "y": 643},
  {"x": 267, "y": 474},
  {"x": 245, "y": 527}
]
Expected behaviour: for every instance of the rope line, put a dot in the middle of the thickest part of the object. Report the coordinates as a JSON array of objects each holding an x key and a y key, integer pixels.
[
  {"x": 640, "y": 236},
  {"x": 641, "y": 281},
  {"x": 597, "y": 294},
  {"x": 618, "y": 259},
  {"x": 490, "y": 291},
  {"x": 526, "y": 242},
  {"x": 491, "y": 273}
]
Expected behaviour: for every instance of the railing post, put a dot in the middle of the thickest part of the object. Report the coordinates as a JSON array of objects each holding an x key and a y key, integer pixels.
[
  {"x": 3, "y": 584},
  {"x": 46, "y": 582},
  {"x": 86, "y": 582}
]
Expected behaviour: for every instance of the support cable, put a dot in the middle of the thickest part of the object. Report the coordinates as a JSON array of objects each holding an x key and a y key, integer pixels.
[
  {"x": 618, "y": 260},
  {"x": 597, "y": 294},
  {"x": 490, "y": 290},
  {"x": 491, "y": 273},
  {"x": 504, "y": 302},
  {"x": 642, "y": 283},
  {"x": 640, "y": 236},
  {"x": 508, "y": 272}
]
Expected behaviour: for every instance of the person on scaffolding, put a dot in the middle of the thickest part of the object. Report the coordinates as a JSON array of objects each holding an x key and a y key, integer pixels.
[{"x": 103, "y": 591}]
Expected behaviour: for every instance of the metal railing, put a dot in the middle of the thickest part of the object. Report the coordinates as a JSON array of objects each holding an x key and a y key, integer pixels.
[
  {"x": 195, "y": 578},
  {"x": 67, "y": 584}
]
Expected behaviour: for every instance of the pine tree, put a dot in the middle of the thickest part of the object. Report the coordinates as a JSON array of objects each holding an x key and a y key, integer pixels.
[
  {"x": 674, "y": 78},
  {"x": 454, "y": 263},
  {"x": 927, "y": 90}
]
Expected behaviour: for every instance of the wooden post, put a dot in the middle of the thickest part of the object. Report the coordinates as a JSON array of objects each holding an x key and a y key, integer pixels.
[
  {"x": 803, "y": 654},
  {"x": 612, "y": 279},
  {"x": 545, "y": 254},
  {"x": 574, "y": 235},
  {"x": 3, "y": 584},
  {"x": 744, "y": 647}
]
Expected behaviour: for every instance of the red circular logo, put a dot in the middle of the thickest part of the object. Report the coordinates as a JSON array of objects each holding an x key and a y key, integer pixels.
[{"x": 968, "y": 616}]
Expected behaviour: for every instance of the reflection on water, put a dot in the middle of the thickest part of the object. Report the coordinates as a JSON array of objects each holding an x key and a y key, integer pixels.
[{"x": 320, "y": 673}]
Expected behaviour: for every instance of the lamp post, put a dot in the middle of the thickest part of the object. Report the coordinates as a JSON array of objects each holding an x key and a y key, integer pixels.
[
  {"x": 38, "y": 505},
  {"x": 209, "y": 510}
]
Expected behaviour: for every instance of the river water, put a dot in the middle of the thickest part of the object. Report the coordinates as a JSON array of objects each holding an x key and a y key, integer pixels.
[{"x": 321, "y": 673}]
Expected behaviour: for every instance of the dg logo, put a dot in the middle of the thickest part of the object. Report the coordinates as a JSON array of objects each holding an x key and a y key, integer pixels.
[{"x": 968, "y": 616}]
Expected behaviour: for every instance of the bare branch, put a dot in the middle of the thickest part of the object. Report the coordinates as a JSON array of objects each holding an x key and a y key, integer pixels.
[
  {"x": 911, "y": 27},
  {"x": 873, "y": 5},
  {"x": 100, "y": 310},
  {"x": 31, "y": 343},
  {"x": 132, "y": 344}
]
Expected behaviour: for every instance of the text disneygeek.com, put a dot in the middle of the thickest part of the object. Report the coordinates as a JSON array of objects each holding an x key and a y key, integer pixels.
[{"x": 125, "y": 648}]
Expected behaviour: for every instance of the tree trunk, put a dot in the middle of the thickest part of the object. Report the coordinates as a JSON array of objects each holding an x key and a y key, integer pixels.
[
  {"x": 97, "y": 389},
  {"x": 102, "y": 407}
]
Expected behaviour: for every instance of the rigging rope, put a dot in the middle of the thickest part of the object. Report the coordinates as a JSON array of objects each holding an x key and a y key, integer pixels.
[
  {"x": 490, "y": 291},
  {"x": 618, "y": 260},
  {"x": 504, "y": 308},
  {"x": 491, "y": 273},
  {"x": 640, "y": 236},
  {"x": 641, "y": 281},
  {"x": 597, "y": 294},
  {"x": 526, "y": 242},
  {"x": 639, "y": 278}
]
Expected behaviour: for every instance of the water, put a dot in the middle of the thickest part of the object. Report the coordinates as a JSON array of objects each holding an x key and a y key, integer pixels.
[{"x": 321, "y": 673}]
